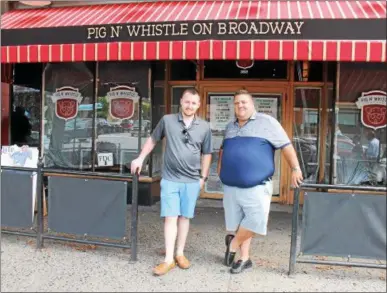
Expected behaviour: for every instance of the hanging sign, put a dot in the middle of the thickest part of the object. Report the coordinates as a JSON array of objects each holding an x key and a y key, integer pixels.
[
  {"x": 122, "y": 100},
  {"x": 244, "y": 65},
  {"x": 66, "y": 101},
  {"x": 373, "y": 106}
]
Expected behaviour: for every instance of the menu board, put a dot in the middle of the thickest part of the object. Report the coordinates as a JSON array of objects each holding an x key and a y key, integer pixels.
[
  {"x": 221, "y": 111},
  {"x": 268, "y": 106}
]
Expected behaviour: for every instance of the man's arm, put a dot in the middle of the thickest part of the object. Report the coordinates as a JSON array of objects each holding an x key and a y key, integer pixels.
[
  {"x": 207, "y": 150},
  {"x": 149, "y": 145},
  {"x": 280, "y": 140},
  {"x": 147, "y": 148},
  {"x": 291, "y": 157},
  {"x": 206, "y": 163},
  {"x": 220, "y": 161}
]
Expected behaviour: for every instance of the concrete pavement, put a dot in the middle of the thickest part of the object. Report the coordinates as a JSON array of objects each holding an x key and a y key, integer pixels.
[{"x": 64, "y": 267}]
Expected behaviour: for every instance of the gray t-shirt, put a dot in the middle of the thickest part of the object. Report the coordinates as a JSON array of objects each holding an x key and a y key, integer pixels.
[{"x": 184, "y": 147}]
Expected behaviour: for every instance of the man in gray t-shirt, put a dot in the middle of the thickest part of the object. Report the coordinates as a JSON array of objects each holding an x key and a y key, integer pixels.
[{"x": 187, "y": 160}]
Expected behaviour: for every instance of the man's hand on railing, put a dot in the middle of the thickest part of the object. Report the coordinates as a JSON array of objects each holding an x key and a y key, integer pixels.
[
  {"x": 296, "y": 177},
  {"x": 136, "y": 165}
]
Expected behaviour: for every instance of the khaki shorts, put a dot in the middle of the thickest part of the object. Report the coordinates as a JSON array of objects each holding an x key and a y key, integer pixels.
[{"x": 247, "y": 207}]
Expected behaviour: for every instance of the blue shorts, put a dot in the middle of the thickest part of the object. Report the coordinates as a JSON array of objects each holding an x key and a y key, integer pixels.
[{"x": 178, "y": 199}]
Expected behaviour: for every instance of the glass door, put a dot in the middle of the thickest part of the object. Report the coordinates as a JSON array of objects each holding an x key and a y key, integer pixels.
[
  {"x": 306, "y": 131},
  {"x": 220, "y": 111}
]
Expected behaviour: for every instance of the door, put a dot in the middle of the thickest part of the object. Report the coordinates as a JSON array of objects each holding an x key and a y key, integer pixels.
[
  {"x": 218, "y": 108},
  {"x": 307, "y": 127}
]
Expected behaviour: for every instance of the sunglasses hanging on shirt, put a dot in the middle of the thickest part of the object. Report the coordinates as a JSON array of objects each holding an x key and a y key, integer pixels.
[{"x": 185, "y": 133}]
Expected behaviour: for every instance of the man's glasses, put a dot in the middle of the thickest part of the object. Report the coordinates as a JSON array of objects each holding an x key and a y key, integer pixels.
[{"x": 186, "y": 138}]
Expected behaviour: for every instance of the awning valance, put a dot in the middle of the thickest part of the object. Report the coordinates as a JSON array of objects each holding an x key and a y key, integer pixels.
[{"x": 172, "y": 30}]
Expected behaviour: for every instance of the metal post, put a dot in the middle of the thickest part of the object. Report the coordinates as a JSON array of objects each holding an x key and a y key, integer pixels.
[
  {"x": 134, "y": 219},
  {"x": 293, "y": 243},
  {"x": 39, "y": 195}
]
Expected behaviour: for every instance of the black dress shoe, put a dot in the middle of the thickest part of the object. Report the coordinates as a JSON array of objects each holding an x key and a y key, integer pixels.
[
  {"x": 240, "y": 266},
  {"x": 229, "y": 256}
]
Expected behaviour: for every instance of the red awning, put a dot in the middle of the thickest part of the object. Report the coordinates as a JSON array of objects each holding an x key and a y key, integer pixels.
[{"x": 264, "y": 30}]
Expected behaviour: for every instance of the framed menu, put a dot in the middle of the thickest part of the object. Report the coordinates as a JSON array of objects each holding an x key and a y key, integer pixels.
[
  {"x": 221, "y": 111},
  {"x": 267, "y": 105}
]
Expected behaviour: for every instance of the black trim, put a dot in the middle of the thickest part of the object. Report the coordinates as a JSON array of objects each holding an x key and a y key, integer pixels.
[{"x": 303, "y": 29}]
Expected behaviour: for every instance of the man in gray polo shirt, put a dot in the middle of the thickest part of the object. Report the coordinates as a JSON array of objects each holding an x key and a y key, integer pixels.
[
  {"x": 187, "y": 160},
  {"x": 245, "y": 167}
]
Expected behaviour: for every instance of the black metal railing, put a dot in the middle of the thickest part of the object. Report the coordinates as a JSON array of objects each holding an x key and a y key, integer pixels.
[
  {"x": 41, "y": 235},
  {"x": 294, "y": 258}
]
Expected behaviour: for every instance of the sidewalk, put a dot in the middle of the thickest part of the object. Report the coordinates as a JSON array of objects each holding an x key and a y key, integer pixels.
[{"x": 69, "y": 267}]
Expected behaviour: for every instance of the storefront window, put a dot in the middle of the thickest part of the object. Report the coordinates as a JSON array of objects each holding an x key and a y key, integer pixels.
[
  {"x": 68, "y": 132},
  {"x": 96, "y": 129},
  {"x": 306, "y": 131},
  {"x": 158, "y": 111},
  {"x": 327, "y": 124},
  {"x": 360, "y": 133},
  {"x": 118, "y": 123},
  {"x": 26, "y": 105}
]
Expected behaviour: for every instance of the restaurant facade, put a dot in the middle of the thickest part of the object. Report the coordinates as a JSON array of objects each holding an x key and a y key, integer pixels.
[{"x": 94, "y": 80}]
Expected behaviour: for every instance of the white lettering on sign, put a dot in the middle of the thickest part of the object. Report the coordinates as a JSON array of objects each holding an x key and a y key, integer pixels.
[
  {"x": 105, "y": 159},
  {"x": 215, "y": 28}
]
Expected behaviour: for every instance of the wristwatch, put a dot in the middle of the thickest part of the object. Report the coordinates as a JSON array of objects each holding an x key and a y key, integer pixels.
[
  {"x": 204, "y": 178},
  {"x": 294, "y": 169}
]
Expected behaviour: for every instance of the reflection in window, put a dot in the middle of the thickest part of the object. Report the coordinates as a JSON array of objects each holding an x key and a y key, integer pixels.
[
  {"x": 26, "y": 105},
  {"x": 117, "y": 117},
  {"x": 158, "y": 111},
  {"x": 25, "y": 118},
  {"x": 305, "y": 131},
  {"x": 67, "y": 134},
  {"x": 360, "y": 152},
  {"x": 101, "y": 133}
]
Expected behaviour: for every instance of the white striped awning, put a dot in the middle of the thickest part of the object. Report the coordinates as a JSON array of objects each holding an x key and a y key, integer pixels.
[{"x": 21, "y": 31}]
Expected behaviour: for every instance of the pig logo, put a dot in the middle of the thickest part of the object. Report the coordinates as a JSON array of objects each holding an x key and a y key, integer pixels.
[
  {"x": 66, "y": 101},
  {"x": 373, "y": 105},
  {"x": 122, "y": 101}
]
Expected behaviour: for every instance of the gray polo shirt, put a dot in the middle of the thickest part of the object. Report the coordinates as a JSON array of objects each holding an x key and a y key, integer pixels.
[{"x": 184, "y": 147}]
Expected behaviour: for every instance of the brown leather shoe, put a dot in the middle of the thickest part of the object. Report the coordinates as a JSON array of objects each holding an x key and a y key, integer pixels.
[
  {"x": 182, "y": 262},
  {"x": 163, "y": 268}
]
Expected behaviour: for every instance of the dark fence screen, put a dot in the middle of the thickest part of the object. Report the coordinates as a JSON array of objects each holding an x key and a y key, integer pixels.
[
  {"x": 87, "y": 206},
  {"x": 345, "y": 225},
  {"x": 17, "y": 198}
]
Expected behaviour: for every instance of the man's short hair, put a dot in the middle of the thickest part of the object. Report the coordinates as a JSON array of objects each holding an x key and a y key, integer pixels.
[
  {"x": 191, "y": 91},
  {"x": 242, "y": 92}
]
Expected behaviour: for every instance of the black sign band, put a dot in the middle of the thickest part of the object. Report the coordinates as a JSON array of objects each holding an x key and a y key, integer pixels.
[{"x": 303, "y": 29}]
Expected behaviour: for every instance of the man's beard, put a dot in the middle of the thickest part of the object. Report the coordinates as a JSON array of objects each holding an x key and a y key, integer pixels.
[{"x": 189, "y": 113}]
